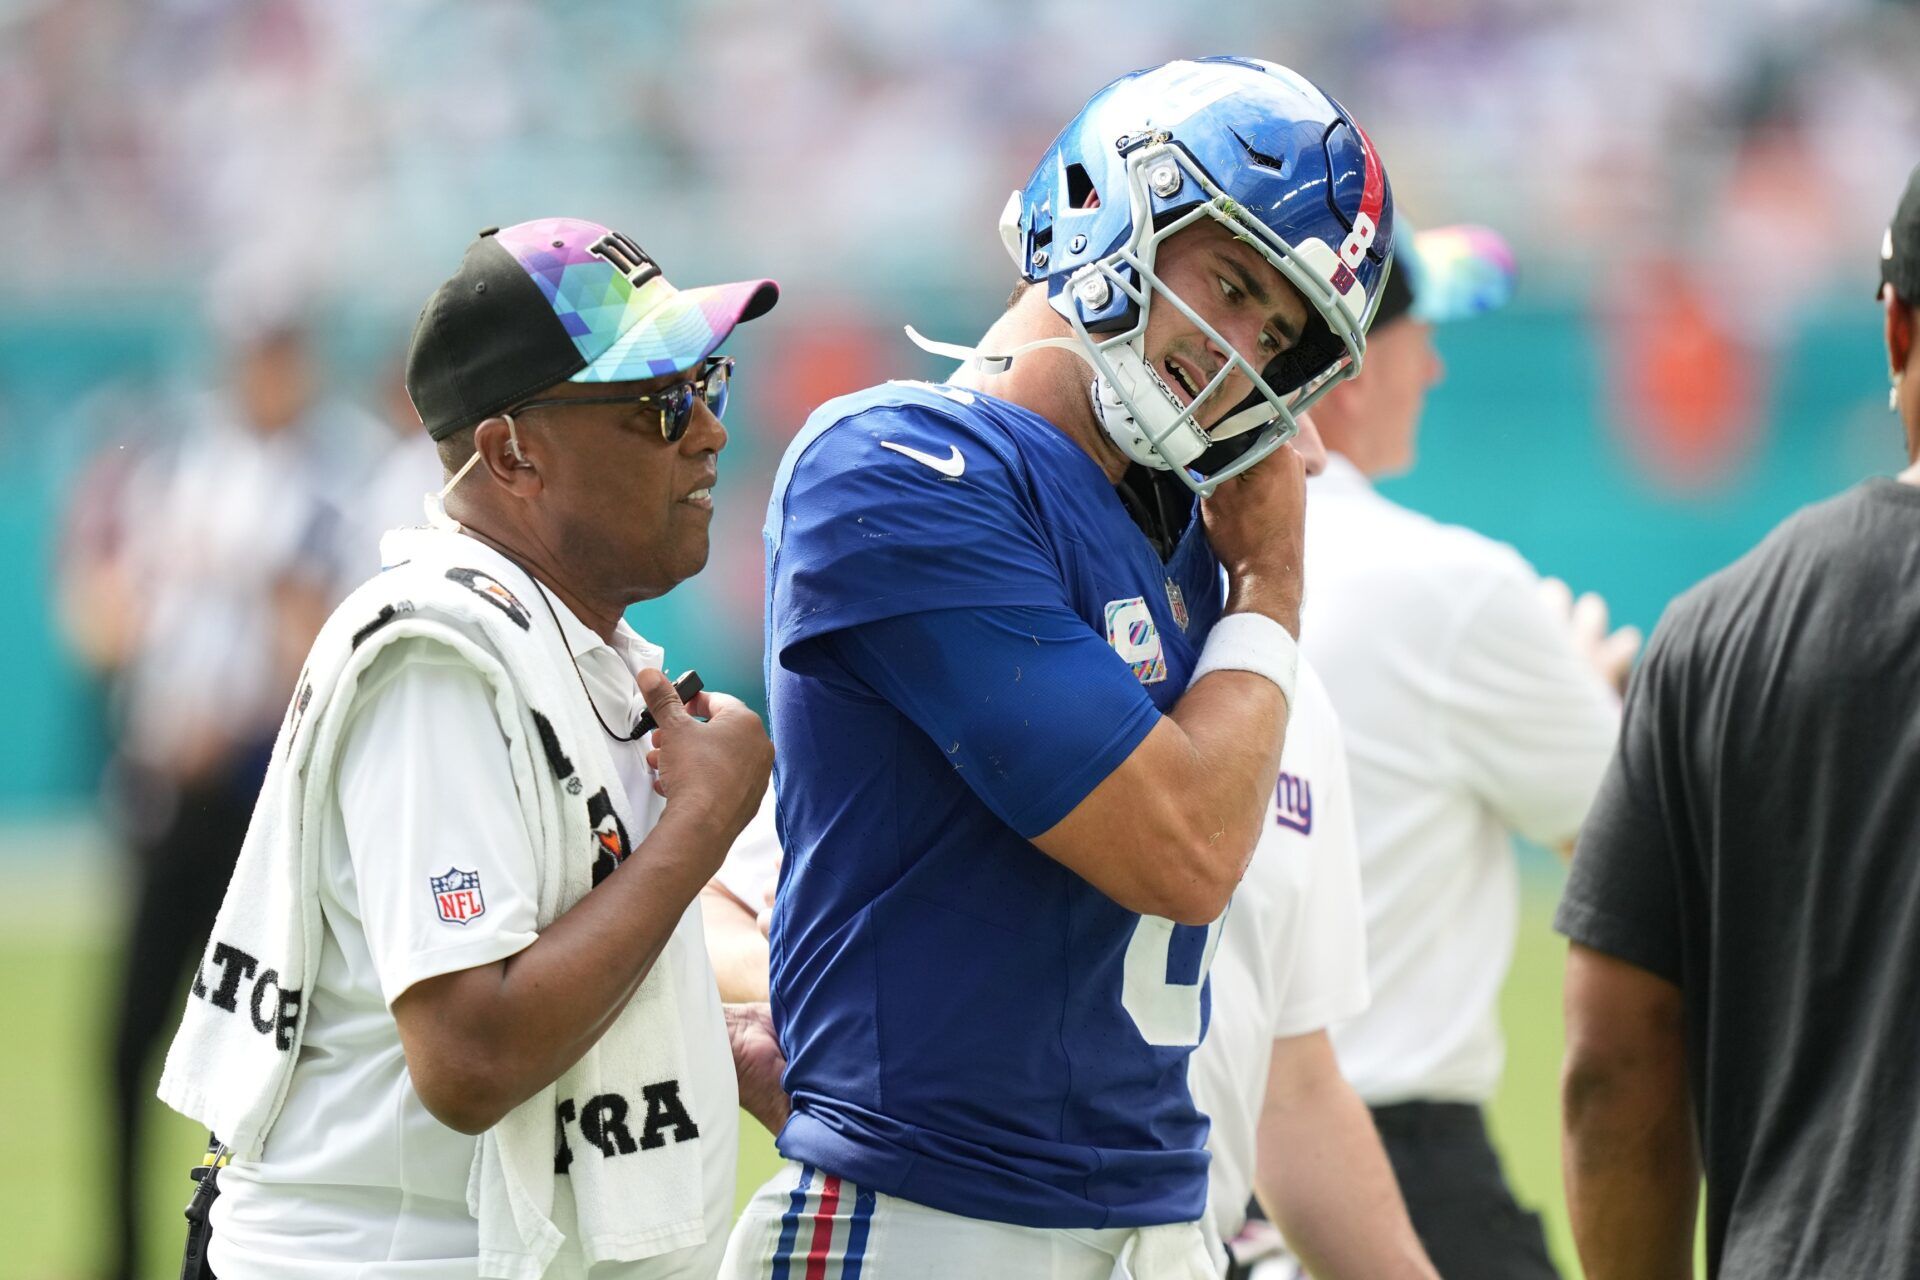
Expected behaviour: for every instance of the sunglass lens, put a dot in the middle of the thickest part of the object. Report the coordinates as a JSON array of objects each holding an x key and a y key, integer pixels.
[
  {"x": 676, "y": 412},
  {"x": 717, "y": 379}
]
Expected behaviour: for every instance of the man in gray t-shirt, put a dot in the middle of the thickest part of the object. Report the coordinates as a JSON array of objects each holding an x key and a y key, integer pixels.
[{"x": 1744, "y": 980}]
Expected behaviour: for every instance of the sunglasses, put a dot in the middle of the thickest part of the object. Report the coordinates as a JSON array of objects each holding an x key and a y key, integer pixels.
[{"x": 675, "y": 403}]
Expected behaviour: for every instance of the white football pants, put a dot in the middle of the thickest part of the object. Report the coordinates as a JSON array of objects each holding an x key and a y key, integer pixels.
[{"x": 806, "y": 1224}]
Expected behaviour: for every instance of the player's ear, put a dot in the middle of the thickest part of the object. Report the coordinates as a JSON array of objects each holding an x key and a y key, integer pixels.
[
  {"x": 1899, "y": 332},
  {"x": 506, "y": 457}
]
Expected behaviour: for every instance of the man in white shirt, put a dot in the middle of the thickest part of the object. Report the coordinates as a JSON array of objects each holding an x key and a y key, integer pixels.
[
  {"x": 1287, "y": 1127},
  {"x": 1477, "y": 704},
  {"x": 560, "y": 366}
]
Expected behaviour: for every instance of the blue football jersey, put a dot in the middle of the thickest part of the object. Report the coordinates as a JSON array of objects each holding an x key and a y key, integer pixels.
[{"x": 966, "y": 633}]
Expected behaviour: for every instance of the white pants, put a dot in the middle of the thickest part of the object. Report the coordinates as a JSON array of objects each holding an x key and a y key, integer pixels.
[{"x": 805, "y": 1224}]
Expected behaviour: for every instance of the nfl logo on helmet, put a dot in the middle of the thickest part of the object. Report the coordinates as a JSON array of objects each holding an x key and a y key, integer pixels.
[{"x": 456, "y": 895}]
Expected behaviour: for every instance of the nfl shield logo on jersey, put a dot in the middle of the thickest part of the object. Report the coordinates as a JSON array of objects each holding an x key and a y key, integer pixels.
[
  {"x": 1131, "y": 632},
  {"x": 1177, "y": 601},
  {"x": 457, "y": 895}
]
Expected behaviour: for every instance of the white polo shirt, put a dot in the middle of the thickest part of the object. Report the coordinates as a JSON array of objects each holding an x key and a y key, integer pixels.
[
  {"x": 1293, "y": 951},
  {"x": 357, "y": 1178},
  {"x": 1469, "y": 715}
]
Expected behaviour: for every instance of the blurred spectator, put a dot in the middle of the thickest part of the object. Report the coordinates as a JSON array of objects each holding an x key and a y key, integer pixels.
[
  {"x": 92, "y": 559},
  {"x": 1587, "y": 132},
  {"x": 196, "y": 578},
  {"x": 404, "y": 469},
  {"x": 1685, "y": 381}
]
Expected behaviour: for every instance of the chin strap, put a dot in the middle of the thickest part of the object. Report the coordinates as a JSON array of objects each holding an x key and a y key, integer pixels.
[
  {"x": 973, "y": 359},
  {"x": 1108, "y": 406}
]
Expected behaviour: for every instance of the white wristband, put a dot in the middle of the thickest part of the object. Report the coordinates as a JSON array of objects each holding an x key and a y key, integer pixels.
[{"x": 1251, "y": 642}]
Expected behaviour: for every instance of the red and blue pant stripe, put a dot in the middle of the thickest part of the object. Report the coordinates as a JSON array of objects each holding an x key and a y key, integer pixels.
[{"x": 825, "y": 1230}]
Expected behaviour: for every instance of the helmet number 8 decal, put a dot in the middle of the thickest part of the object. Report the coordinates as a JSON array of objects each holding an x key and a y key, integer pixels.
[
  {"x": 1165, "y": 973},
  {"x": 1353, "y": 250}
]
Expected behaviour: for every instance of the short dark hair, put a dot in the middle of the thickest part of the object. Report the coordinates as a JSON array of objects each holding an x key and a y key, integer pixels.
[
  {"x": 1020, "y": 288},
  {"x": 455, "y": 448}
]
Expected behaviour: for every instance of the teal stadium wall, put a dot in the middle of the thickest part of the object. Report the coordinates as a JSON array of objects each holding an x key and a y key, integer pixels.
[{"x": 1520, "y": 443}]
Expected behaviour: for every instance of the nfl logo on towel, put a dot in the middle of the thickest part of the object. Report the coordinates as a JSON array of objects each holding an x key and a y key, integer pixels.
[{"x": 457, "y": 895}]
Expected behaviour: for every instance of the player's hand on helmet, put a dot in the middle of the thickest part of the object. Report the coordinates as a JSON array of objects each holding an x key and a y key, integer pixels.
[
  {"x": 710, "y": 753},
  {"x": 1256, "y": 523},
  {"x": 1609, "y": 653}
]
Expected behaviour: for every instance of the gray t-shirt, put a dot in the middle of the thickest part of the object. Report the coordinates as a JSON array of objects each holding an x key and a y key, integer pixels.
[{"x": 1757, "y": 842}]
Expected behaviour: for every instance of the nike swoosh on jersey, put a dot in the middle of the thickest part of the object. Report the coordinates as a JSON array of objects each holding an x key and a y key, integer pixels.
[{"x": 948, "y": 467}]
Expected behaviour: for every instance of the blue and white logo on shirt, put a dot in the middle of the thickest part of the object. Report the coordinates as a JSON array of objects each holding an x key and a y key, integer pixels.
[
  {"x": 1131, "y": 632},
  {"x": 1293, "y": 803}
]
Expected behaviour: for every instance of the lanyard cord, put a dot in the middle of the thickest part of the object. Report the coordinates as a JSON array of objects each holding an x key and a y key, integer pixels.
[
  {"x": 578, "y": 674},
  {"x": 639, "y": 731},
  {"x": 437, "y": 516}
]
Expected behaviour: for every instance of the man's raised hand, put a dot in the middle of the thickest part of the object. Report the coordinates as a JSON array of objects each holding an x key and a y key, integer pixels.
[{"x": 710, "y": 754}]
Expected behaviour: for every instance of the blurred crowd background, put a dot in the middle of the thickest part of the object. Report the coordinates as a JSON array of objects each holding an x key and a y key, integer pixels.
[{"x": 220, "y": 217}]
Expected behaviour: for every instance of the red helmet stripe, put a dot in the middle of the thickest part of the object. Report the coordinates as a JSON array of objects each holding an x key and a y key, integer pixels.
[{"x": 1373, "y": 188}]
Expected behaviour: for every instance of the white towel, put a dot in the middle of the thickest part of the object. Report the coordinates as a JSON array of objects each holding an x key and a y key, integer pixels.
[
  {"x": 1174, "y": 1251},
  {"x": 232, "y": 1060}
]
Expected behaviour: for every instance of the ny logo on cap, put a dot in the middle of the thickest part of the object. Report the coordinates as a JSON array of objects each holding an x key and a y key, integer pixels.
[{"x": 628, "y": 258}]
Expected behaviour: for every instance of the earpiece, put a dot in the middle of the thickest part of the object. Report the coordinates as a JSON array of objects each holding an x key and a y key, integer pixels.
[{"x": 513, "y": 443}]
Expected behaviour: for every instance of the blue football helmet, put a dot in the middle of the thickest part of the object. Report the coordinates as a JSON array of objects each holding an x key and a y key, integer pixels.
[{"x": 1256, "y": 147}]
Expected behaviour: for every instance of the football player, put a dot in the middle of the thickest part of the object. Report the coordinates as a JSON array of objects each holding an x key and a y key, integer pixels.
[{"x": 1026, "y": 741}]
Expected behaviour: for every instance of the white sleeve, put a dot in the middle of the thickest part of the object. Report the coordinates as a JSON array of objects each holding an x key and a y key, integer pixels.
[
  {"x": 753, "y": 863},
  {"x": 1530, "y": 724},
  {"x": 443, "y": 866},
  {"x": 1328, "y": 980}
]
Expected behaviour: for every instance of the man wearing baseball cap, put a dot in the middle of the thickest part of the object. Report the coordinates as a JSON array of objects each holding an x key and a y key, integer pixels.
[
  {"x": 456, "y": 1017},
  {"x": 1744, "y": 974},
  {"x": 1476, "y": 703}
]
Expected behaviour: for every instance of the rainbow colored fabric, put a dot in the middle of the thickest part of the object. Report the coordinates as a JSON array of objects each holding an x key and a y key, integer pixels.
[
  {"x": 1460, "y": 271},
  {"x": 626, "y": 333}
]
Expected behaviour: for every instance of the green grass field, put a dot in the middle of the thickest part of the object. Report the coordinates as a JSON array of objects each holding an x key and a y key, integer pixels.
[{"x": 52, "y": 968}]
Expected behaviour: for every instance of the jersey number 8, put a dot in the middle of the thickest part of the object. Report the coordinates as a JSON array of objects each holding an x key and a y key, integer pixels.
[{"x": 1166, "y": 971}]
